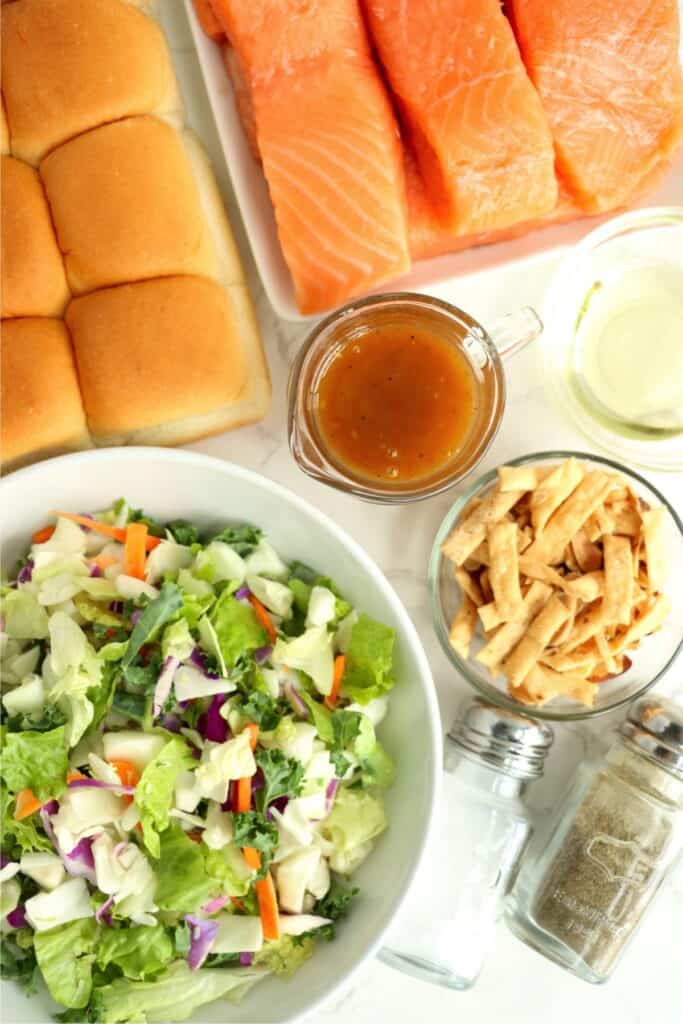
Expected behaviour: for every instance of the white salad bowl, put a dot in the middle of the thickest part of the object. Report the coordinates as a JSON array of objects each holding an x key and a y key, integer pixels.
[{"x": 174, "y": 484}]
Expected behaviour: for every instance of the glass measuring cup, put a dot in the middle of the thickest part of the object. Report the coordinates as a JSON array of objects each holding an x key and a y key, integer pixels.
[{"x": 482, "y": 349}]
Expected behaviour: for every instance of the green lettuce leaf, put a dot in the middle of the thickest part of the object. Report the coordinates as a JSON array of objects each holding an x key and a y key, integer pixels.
[
  {"x": 19, "y": 837},
  {"x": 253, "y": 829},
  {"x": 25, "y": 619},
  {"x": 282, "y": 776},
  {"x": 285, "y": 956},
  {"x": 37, "y": 761},
  {"x": 157, "y": 613},
  {"x": 65, "y": 957},
  {"x": 183, "y": 880},
  {"x": 334, "y": 905},
  {"x": 91, "y": 611},
  {"x": 174, "y": 996},
  {"x": 356, "y": 818},
  {"x": 228, "y": 867},
  {"x": 154, "y": 791},
  {"x": 183, "y": 531},
  {"x": 369, "y": 660},
  {"x": 322, "y": 718},
  {"x": 18, "y": 960},
  {"x": 243, "y": 539},
  {"x": 237, "y": 628},
  {"x": 140, "y": 952},
  {"x": 377, "y": 767}
]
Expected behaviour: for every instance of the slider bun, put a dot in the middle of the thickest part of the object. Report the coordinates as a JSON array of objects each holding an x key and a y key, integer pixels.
[
  {"x": 33, "y": 281},
  {"x": 70, "y": 65},
  {"x": 126, "y": 206},
  {"x": 42, "y": 413},
  {"x": 160, "y": 362}
]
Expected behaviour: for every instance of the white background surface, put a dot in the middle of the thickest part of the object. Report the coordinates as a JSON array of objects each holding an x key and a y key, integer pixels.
[{"x": 517, "y": 986}]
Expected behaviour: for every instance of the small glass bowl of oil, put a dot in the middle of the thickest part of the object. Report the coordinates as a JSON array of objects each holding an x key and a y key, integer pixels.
[{"x": 613, "y": 347}]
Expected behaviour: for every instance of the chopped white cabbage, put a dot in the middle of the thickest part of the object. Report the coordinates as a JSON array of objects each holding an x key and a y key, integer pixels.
[
  {"x": 123, "y": 871},
  {"x": 275, "y": 596},
  {"x": 190, "y": 584},
  {"x": 44, "y": 868},
  {"x": 10, "y": 894},
  {"x": 177, "y": 641},
  {"x": 311, "y": 653},
  {"x": 10, "y": 869},
  {"x": 292, "y": 877},
  {"x": 130, "y": 745},
  {"x": 58, "y": 589},
  {"x": 238, "y": 933},
  {"x": 166, "y": 557},
  {"x": 219, "y": 562},
  {"x": 70, "y": 901},
  {"x": 296, "y": 739},
  {"x": 16, "y": 667},
  {"x": 190, "y": 683},
  {"x": 27, "y": 699},
  {"x": 375, "y": 710},
  {"x": 102, "y": 770},
  {"x": 272, "y": 680},
  {"x": 187, "y": 795},
  {"x": 265, "y": 561},
  {"x": 319, "y": 882},
  {"x": 342, "y": 637},
  {"x": 218, "y": 830},
  {"x": 209, "y": 639},
  {"x": 82, "y": 812},
  {"x": 68, "y": 539},
  {"x": 298, "y": 924},
  {"x": 222, "y": 762},
  {"x": 321, "y": 607},
  {"x": 293, "y": 825},
  {"x": 131, "y": 588}
]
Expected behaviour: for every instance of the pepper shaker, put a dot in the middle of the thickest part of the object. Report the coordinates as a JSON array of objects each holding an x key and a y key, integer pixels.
[
  {"x": 582, "y": 893},
  {"x": 491, "y": 755}
]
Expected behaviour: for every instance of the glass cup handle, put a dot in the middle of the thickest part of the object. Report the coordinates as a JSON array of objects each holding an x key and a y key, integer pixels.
[{"x": 514, "y": 331}]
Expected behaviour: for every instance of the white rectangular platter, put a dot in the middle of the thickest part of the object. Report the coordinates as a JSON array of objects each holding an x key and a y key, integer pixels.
[{"x": 251, "y": 192}]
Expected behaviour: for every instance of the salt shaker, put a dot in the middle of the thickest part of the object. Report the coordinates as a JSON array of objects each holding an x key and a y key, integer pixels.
[
  {"x": 583, "y": 891},
  {"x": 444, "y": 931}
]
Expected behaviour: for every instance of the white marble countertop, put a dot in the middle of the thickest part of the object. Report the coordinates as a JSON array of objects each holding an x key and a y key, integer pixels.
[{"x": 517, "y": 986}]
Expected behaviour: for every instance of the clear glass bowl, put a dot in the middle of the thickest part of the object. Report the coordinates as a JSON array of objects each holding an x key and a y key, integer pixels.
[
  {"x": 650, "y": 661},
  {"x": 622, "y": 255}
]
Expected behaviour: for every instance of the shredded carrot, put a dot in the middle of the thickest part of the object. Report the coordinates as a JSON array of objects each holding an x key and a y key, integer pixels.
[
  {"x": 241, "y": 800},
  {"x": 267, "y": 905},
  {"x": 339, "y": 669},
  {"x": 252, "y": 729},
  {"x": 103, "y": 561},
  {"x": 237, "y": 902},
  {"x": 206, "y": 17},
  {"x": 25, "y": 804},
  {"x": 40, "y": 536},
  {"x": 115, "y": 532},
  {"x": 263, "y": 617},
  {"x": 126, "y": 771},
  {"x": 195, "y": 835},
  {"x": 252, "y": 857},
  {"x": 134, "y": 551}
]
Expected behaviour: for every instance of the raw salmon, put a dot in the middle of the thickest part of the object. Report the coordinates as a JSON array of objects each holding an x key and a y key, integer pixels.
[
  {"x": 328, "y": 141},
  {"x": 476, "y": 124},
  {"x": 429, "y": 238},
  {"x": 609, "y": 77}
]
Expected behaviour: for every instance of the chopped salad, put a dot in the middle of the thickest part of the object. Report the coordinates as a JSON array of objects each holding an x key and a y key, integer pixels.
[{"x": 190, "y": 770}]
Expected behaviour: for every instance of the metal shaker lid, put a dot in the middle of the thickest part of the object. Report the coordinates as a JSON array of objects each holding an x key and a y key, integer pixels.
[
  {"x": 505, "y": 740},
  {"x": 655, "y": 727}
]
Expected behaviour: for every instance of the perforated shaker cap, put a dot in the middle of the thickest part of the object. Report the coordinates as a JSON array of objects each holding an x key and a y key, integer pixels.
[
  {"x": 655, "y": 728},
  {"x": 507, "y": 741}
]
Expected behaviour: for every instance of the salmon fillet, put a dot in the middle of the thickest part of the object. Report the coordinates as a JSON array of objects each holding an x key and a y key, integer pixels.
[
  {"x": 470, "y": 112},
  {"x": 328, "y": 141},
  {"x": 609, "y": 77},
  {"x": 428, "y": 238}
]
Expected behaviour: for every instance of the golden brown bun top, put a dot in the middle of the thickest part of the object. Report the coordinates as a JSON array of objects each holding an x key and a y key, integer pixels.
[
  {"x": 42, "y": 411},
  {"x": 156, "y": 351},
  {"x": 70, "y": 65},
  {"x": 126, "y": 205},
  {"x": 33, "y": 281}
]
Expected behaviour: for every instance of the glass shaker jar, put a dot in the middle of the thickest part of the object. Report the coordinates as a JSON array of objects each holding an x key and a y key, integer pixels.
[
  {"x": 447, "y": 924},
  {"x": 582, "y": 893}
]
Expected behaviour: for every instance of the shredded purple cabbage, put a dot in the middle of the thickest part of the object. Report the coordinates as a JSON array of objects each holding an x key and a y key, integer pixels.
[
  {"x": 17, "y": 917},
  {"x": 95, "y": 571},
  {"x": 26, "y": 573},
  {"x": 116, "y": 607},
  {"x": 135, "y": 616},
  {"x": 103, "y": 913},
  {"x": 216, "y": 904},
  {"x": 243, "y": 594},
  {"x": 202, "y": 937},
  {"x": 246, "y": 959},
  {"x": 117, "y": 787},
  {"x": 215, "y": 727},
  {"x": 330, "y": 794},
  {"x": 295, "y": 699},
  {"x": 261, "y": 654},
  {"x": 171, "y": 723},
  {"x": 197, "y": 659}
]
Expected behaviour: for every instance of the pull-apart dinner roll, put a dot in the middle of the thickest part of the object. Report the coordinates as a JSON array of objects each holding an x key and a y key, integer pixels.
[
  {"x": 160, "y": 362},
  {"x": 42, "y": 413},
  {"x": 33, "y": 281},
  {"x": 126, "y": 206},
  {"x": 71, "y": 65}
]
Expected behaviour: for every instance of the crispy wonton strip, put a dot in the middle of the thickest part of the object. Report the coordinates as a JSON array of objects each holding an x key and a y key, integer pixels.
[
  {"x": 570, "y": 517},
  {"x": 557, "y": 486},
  {"x": 539, "y": 632},
  {"x": 586, "y": 553},
  {"x": 521, "y": 478},
  {"x": 587, "y": 588},
  {"x": 469, "y": 586},
  {"x": 472, "y": 531},
  {"x": 586, "y": 625},
  {"x": 649, "y": 623},
  {"x": 655, "y": 542},
  {"x": 504, "y": 570},
  {"x": 462, "y": 629},
  {"x": 512, "y": 632},
  {"x": 618, "y": 599},
  {"x": 542, "y": 684}
]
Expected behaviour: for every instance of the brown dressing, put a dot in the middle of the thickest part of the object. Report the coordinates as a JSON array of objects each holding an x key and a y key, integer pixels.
[{"x": 396, "y": 404}]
